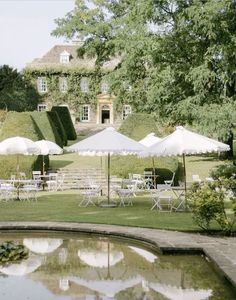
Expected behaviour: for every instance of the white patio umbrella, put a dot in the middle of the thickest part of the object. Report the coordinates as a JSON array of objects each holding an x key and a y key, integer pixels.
[
  {"x": 107, "y": 142},
  {"x": 144, "y": 253},
  {"x": 184, "y": 142},
  {"x": 178, "y": 293},
  {"x": 110, "y": 287},
  {"x": 18, "y": 145},
  {"x": 149, "y": 140},
  {"x": 22, "y": 268},
  {"x": 48, "y": 148},
  {"x": 42, "y": 245}
]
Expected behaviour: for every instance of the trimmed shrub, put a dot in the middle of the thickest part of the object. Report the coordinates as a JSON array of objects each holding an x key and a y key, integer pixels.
[
  {"x": 20, "y": 124},
  {"x": 47, "y": 127},
  {"x": 137, "y": 126},
  {"x": 64, "y": 115},
  {"x": 58, "y": 124},
  {"x": 123, "y": 165}
]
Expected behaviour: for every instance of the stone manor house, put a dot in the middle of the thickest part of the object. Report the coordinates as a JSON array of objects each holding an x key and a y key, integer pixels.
[{"x": 51, "y": 75}]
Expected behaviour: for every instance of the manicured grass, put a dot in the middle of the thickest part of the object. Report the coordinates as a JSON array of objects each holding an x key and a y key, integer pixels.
[{"x": 63, "y": 206}]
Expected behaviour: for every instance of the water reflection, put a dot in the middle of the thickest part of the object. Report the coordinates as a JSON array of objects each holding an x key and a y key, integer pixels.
[
  {"x": 42, "y": 245},
  {"x": 80, "y": 267},
  {"x": 22, "y": 268}
]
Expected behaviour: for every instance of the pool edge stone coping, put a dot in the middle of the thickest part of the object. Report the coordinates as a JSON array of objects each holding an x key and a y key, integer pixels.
[{"x": 221, "y": 251}]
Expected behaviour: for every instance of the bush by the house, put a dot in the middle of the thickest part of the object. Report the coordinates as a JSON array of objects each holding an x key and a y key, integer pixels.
[
  {"x": 65, "y": 117},
  {"x": 58, "y": 124},
  {"x": 47, "y": 127}
]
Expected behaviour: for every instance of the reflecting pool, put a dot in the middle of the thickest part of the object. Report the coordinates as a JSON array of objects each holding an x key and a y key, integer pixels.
[{"x": 77, "y": 266}]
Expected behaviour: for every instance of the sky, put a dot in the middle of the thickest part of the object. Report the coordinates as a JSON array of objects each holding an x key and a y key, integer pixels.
[{"x": 25, "y": 29}]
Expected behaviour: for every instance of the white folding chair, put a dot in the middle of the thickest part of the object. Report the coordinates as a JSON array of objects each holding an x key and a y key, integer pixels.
[
  {"x": 125, "y": 196},
  {"x": 90, "y": 195},
  {"x": 162, "y": 200},
  {"x": 7, "y": 191},
  {"x": 196, "y": 178},
  {"x": 52, "y": 182},
  {"x": 28, "y": 192},
  {"x": 171, "y": 181}
]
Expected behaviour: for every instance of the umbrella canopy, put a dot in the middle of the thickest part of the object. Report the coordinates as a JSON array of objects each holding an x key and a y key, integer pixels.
[
  {"x": 22, "y": 268},
  {"x": 48, "y": 147},
  {"x": 144, "y": 253},
  {"x": 42, "y": 245},
  {"x": 108, "y": 287},
  {"x": 107, "y": 142},
  {"x": 175, "y": 293},
  {"x": 18, "y": 145},
  {"x": 100, "y": 259},
  {"x": 150, "y": 140},
  {"x": 184, "y": 142}
]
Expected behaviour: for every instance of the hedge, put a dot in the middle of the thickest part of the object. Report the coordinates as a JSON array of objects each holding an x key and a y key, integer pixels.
[
  {"x": 58, "y": 124},
  {"x": 20, "y": 124},
  {"x": 137, "y": 126},
  {"x": 65, "y": 117},
  {"x": 47, "y": 127}
]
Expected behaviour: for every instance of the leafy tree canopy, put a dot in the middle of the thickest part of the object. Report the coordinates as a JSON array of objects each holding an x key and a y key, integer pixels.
[
  {"x": 16, "y": 93},
  {"x": 177, "y": 57}
]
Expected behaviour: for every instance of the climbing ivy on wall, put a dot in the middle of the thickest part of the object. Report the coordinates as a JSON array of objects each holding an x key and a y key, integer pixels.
[{"x": 74, "y": 96}]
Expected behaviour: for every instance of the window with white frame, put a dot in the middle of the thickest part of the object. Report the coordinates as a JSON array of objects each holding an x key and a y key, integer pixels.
[
  {"x": 63, "y": 85},
  {"x": 84, "y": 86},
  {"x": 64, "y": 57},
  {"x": 42, "y": 107},
  {"x": 126, "y": 111},
  {"x": 85, "y": 113},
  {"x": 104, "y": 87},
  {"x": 42, "y": 85}
]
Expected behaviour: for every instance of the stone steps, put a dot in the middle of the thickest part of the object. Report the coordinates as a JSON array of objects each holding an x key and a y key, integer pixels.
[{"x": 79, "y": 178}]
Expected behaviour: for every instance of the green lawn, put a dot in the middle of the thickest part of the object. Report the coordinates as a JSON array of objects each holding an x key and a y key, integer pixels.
[{"x": 63, "y": 206}]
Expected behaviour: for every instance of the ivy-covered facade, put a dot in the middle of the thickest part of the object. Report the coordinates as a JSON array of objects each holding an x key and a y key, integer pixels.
[{"x": 62, "y": 78}]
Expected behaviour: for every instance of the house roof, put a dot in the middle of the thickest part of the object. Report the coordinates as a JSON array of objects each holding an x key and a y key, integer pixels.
[{"x": 52, "y": 59}]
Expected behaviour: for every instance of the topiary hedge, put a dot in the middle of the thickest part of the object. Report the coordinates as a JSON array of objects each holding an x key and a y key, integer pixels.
[
  {"x": 58, "y": 124},
  {"x": 65, "y": 117},
  {"x": 137, "y": 126},
  {"x": 20, "y": 124},
  {"x": 47, "y": 127}
]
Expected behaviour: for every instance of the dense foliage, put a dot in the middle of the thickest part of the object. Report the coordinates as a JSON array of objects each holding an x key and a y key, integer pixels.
[
  {"x": 208, "y": 203},
  {"x": 65, "y": 117},
  {"x": 10, "y": 251},
  {"x": 16, "y": 92},
  {"x": 179, "y": 61}
]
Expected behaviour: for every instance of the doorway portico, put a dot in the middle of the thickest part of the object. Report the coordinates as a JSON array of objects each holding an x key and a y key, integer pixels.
[{"x": 104, "y": 109}]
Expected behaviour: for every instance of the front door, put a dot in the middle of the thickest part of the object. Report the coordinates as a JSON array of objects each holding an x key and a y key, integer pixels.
[{"x": 105, "y": 114}]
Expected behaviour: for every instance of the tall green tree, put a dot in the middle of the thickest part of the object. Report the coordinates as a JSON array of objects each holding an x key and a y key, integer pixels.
[
  {"x": 177, "y": 58},
  {"x": 16, "y": 93}
]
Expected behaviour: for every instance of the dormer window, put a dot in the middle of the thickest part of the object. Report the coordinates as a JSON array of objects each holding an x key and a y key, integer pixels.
[{"x": 65, "y": 57}]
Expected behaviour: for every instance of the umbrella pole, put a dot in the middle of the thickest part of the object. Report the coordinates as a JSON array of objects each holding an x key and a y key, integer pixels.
[
  {"x": 108, "y": 179},
  {"x": 185, "y": 181},
  {"x": 17, "y": 167},
  {"x": 43, "y": 165},
  {"x": 154, "y": 173}
]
